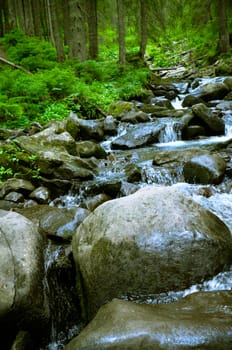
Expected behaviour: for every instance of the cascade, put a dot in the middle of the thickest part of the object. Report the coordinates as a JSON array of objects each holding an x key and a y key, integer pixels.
[{"x": 218, "y": 202}]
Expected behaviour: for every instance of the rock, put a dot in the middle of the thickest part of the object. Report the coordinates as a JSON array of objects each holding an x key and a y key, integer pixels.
[
  {"x": 162, "y": 102},
  {"x": 72, "y": 126},
  {"x": 110, "y": 125},
  {"x": 228, "y": 83},
  {"x": 88, "y": 129},
  {"x": 133, "y": 172},
  {"x": 193, "y": 131},
  {"x": 152, "y": 241},
  {"x": 52, "y": 137},
  {"x": 61, "y": 222},
  {"x": 198, "y": 321},
  {"x": 205, "y": 169},
  {"x": 191, "y": 100},
  {"x": 93, "y": 202},
  {"x": 16, "y": 185},
  {"x": 135, "y": 117},
  {"x": 86, "y": 149},
  {"x": 22, "y": 302},
  {"x": 15, "y": 197},
  {"x": 120, "y": 108},
  {"x": 138, "y": 136},
  {"x": 214, "y": 125},
  {"x": 211, "y": 91},
  {"x": 41, "y": 195}
]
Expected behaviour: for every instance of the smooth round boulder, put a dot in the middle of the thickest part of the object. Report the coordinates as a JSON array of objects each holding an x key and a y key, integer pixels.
[
  {"x": 199, "y": 321},
  {"x": 22, "y": 302},
  {"x": 152, "y": 241}
]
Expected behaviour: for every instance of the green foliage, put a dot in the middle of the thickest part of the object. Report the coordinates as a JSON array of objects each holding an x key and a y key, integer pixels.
[
  {"x": 30, "y": 52},
  {"x": 15, "y": 162}
]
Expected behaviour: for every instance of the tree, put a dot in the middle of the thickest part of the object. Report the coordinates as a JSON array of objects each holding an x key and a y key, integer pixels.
[
  {"x": 55, "y": 32},
  {"x": 92, "y": 28},
  {"x": 77, "y": 30},
  {"x": 224, "y": 41},
  {"x": 121, "y": 32},
  {"x": 143, "y": 28}
]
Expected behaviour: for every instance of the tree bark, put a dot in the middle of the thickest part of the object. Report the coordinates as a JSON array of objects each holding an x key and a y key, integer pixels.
[
  {"x": 224, "y": 42},
  {"x": 121, "y": 32},
  {"x": 56, "y": 35},
  {"x": 77, "y": 33},
  {"x": 143, "y": 28},
  {"x": 92, "y": 28}
]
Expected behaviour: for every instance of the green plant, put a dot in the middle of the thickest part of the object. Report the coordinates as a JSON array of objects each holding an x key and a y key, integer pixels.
[{"x": 5, "y": 173}]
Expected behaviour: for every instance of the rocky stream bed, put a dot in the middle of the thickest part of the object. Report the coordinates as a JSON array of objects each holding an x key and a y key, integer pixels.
[{"x": 124, "y": 240}]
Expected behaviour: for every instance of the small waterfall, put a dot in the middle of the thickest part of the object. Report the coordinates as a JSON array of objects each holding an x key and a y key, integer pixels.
[
  {"x": 171, "y": 132},
  {"x": 59, "y": 284},
  {"x": 160, "y": 175}
]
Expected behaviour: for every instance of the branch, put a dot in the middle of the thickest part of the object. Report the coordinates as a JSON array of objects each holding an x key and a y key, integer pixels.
[{"x": 14, "y": 65}]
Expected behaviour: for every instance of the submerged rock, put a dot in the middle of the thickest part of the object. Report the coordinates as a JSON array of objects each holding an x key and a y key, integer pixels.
[{"x": 152, "y": 241}]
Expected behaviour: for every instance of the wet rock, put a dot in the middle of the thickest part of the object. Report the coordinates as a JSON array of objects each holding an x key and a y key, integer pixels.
[
  {"x": 94, "y": 202},
  {"x": 16, "y": 185},
  {"x": 205, "y": 169},
  {"x": 61, "y": 222},
  {"x": 152, "y": 241},
  {"x": 41, "y": 195},
  {"x": 214, "y": 124},
  {"x": 86, "y": 149},
  {"x": 88, "y": 129},
  {"x": 138, "y": 135},
  {"x": 191, "y": 100},
  {"x": 162, "y": 102},
  {"x": 211, "y": 91},
  {"x": 22, "y": 302},
  {"x": 50, "y": 138},
  {"x": 192, "y": 132},
  {"x": 135, "y": 117},
  {"x": 110, "y": 125},
  {"x": 133, "y": 173},
  {"x": 15, "y": 197},
  {"x": 199, "y": 321}
]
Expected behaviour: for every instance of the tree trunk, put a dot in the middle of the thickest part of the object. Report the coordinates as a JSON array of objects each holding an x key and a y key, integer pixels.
[
  {"x": 77, "y": 33},
  {"x": 92, "y": 28},
  {"x": 56, "y": 36},
  {"x": 28, "y": 17},
  {"x": 143, "y": 28},
  {"x": 121, "y": 32},
  {"x": 224, "y": 42}
]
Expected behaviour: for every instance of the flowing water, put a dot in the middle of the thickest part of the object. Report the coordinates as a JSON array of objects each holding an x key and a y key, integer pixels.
[{"x": 219, "y": 201}]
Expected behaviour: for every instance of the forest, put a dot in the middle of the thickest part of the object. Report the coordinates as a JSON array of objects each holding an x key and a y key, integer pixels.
[{"x": 59, "y": 56}]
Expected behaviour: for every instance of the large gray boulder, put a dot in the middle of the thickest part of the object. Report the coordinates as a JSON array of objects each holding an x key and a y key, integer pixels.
[
  {"x": 199, "y": 321},
  {"x": 152, "y": 241},
  {"x": 22, "y": 302}
]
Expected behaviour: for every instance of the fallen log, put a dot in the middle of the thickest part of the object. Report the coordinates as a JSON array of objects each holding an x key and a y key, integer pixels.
[{"x": 13, "y": 65}]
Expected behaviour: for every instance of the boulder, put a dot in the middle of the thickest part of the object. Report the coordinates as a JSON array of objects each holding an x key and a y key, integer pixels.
[
  {"x": 214, "y": 125},
  {"x": 211, "y": 91},
  {"x": 191, "y": 100},
  {"x": 152, "y": 241},
  {"x": 138, "y": 136},
  {"x": 135, "y": 117},
  {"x": 205, "y": 169},
  {"x": 85, "y": 129},
  {"x": 16, "y": 185},
  {"x": 198, "y": 321},
  {"x": 86, "y": 149},
  {"x": 22, "y": 302}
]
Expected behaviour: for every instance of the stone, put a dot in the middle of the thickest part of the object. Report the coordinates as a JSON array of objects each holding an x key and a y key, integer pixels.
[
  {"x": 86, "y": 149},
  {"x": 213, "y": 124},
  {"x": 199, "y": 321},
  {"x": 211, "y": 91},
  {"x": 152, "y": 241},
  {"x": 205, "y": 169}
]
